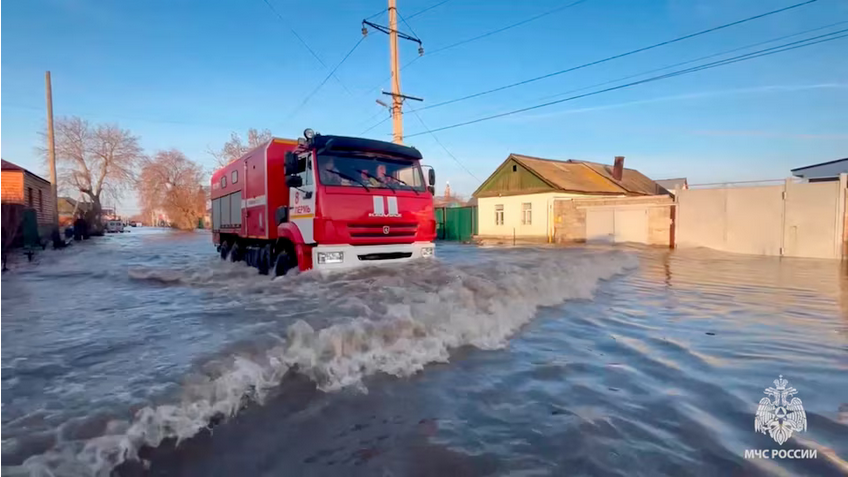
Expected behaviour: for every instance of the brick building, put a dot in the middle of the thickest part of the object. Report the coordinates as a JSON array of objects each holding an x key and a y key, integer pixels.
[{"x": 20, "y": 186}]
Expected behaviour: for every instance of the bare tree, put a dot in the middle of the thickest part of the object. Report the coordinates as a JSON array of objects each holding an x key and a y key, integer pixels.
[
  {"x": 235, "y": 147},
  {"x": 173, "y": 183},
  {"x": 99, "y": 160}
]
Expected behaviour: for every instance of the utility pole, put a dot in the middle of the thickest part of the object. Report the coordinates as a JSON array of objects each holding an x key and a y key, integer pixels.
[
  {"x": 397, "y": 96},
  {"x": 51, "y": 155},
  {"x": 397, "y": 101}
]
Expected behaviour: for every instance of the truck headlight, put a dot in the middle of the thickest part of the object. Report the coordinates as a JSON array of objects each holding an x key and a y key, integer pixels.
[
  {"x": 428, "y": 251},
  {"x": 330, "y": 257}
]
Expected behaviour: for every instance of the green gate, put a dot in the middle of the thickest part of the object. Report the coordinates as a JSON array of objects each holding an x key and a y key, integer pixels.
[{"x": 456, "y": 223}]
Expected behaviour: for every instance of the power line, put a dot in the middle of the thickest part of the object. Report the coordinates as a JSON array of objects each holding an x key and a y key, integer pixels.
[
  {"x": 445, "y": 148},
  {"x": 419, "y": 12},
  {"x": 509, "y": 27},
  {"x": 331, "y": 73},
  {"x": 407, "y": 25},
  {"x": 371, "y": 118},
  {"x": 715, "y": 64},
  {"x": 622, "y": 55},
  {"x": 303, "y": 42},
  {"x": 374, "y": 126},
  {"x": 693, "y": 60},
  {"x": 378, "y": 13},
  {"x": 484, "y": 35}
]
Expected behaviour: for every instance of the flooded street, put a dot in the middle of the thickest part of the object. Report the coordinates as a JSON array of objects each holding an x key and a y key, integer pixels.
[{"x": 486, "y": 361}]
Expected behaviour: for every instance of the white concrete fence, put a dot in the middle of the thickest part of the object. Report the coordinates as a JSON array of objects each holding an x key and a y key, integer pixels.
[{"x": 792, "y": 219}]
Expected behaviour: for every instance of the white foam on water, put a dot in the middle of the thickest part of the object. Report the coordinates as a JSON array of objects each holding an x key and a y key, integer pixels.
[{"x": 393, "y": 321}]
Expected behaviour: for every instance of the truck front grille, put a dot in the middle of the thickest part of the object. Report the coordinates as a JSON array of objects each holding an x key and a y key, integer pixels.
[{"x": 372, "y": 230}]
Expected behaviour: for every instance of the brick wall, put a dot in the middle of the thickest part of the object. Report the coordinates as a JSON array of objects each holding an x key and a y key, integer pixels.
[
  {"x": 570, "y": 217},
  {"x": 42, "y": 199},
  {"x": 12, "y": 187}
]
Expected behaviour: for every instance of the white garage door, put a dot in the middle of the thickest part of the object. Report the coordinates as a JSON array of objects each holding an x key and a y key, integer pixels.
[
  {"x": 617, "y": 225},
  {"x": 631, "y": 225},
  {"x": 600, "y": 225}
]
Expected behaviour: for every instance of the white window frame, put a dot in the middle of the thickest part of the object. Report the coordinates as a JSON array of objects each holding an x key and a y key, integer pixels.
[
  {"x": 499, "y": 214},
  {"x": 234, "y": 177},
  {"x": 526, "y": 213}
]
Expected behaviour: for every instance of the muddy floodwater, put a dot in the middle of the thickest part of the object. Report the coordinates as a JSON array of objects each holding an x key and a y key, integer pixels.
[{"x": 145, "y": 354}]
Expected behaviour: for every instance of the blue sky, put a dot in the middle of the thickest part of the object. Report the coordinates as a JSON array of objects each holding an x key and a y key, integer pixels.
[{"x": 184, "y": 74}]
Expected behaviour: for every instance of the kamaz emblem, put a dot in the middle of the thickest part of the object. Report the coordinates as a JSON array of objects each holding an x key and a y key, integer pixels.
[{"x": 385, "y": 207}]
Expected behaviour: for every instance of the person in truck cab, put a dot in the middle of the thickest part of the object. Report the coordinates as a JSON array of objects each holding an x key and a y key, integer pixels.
[
  {"x": 377, "y": 179},
  {"x": 329, "y": 174}
]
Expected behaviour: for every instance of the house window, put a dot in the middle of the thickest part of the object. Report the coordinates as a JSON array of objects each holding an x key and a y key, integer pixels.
[
  {"x": 223, "y": 182},
  {"x": 235, "y": 177},
  {"x": 499, "y": 215},
  {"x": 29, "y": 196},
  {"x": 526, "y": 213},
  {"x": 514, "y": 168},
  {"x": 40, "y": 201}
]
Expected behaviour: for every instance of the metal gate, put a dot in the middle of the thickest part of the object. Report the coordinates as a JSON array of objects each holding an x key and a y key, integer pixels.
[
  {"x": 456, "y": 223},
  {"x": 792, "y": 219}
]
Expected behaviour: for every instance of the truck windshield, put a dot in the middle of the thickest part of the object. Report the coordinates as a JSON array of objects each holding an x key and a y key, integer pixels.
[{"x": 376, "y": 172}]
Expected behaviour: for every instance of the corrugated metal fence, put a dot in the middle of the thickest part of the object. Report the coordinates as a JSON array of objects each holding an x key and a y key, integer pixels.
[{"x": 456, "y": 223}]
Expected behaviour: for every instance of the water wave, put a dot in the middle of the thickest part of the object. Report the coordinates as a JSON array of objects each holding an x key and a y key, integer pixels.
[{"x": 391, "y": 320}]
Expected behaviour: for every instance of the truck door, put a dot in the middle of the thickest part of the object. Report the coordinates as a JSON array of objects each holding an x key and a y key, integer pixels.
[
  {"x": 302, "y": 199},
  {"x": 254, "y": 195}
]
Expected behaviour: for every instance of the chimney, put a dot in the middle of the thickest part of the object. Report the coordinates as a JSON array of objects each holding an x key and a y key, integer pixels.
[{"x": 618, "y": 168}]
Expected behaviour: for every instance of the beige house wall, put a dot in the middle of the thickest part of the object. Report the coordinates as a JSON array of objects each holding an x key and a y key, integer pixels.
[{"x": 541, "y": 220}]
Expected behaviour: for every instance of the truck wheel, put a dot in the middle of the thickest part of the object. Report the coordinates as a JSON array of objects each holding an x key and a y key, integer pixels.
[
  {"x": 265, "y": 260},
  {"x": 283, "y": 264},
  {"x": 235, "y": 253},
  {"x": 224, "y": 250}
]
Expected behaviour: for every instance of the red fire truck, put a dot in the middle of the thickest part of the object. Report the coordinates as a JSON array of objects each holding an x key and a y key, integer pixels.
[{"x": 326, "y": 202}]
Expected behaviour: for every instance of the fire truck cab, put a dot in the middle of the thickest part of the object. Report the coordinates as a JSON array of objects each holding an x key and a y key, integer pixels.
[{"x": 325, "y": 202}]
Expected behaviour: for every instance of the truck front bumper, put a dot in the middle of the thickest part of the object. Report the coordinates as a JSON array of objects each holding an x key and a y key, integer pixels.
[{"x": 341, "y": 257}]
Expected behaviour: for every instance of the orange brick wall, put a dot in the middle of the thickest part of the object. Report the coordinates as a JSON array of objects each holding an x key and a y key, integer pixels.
[
  {"x": 12, "y": 186},
  {"x": 15, "y": 187}
]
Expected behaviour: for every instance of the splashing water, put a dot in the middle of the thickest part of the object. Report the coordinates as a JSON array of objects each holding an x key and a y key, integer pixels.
[{"x": 336, "y": 330}]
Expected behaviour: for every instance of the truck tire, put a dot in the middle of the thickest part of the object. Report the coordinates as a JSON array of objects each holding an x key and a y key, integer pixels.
[
  {"x": 264, "y": 260},
  {"x": 235, "y": 253},
  {"x": 283, "y": 264},
  {"x": 225, "y": 249}
]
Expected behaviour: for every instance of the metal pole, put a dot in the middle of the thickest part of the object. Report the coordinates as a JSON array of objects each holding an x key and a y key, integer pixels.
[
  {"x": 51, "y": 154},
  {"x": 397, "y": 101}
]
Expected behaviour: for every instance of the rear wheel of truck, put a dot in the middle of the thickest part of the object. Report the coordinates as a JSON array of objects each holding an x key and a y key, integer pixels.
[
  {"x": 264, "y": 264},
  {"x": 235, "y": 253},
  {"x": 224, "y": 250}
]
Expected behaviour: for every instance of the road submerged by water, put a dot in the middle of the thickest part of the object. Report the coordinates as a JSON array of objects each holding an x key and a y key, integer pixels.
[{"x": 487, "y": 361}]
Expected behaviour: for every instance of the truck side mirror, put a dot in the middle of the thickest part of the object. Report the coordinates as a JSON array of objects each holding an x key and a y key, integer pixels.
[
  {"x": 431, "y": 180},
  {"x": 294, "y": 181},
  {"x": 290, "y": 163}
]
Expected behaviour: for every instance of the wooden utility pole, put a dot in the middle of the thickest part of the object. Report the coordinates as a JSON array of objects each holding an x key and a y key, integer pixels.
[
  {"x": 397, "y": 96},
  {"x": 397, "y": 101},
  {"x": 51, "y": 154}
]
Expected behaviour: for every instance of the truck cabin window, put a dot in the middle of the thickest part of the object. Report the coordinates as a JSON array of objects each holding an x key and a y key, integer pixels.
[{"x": 371, "y": 172}]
